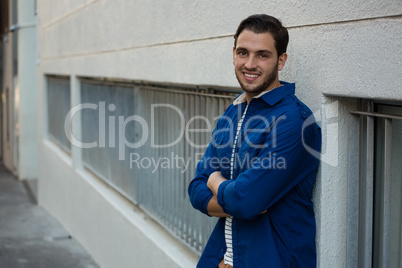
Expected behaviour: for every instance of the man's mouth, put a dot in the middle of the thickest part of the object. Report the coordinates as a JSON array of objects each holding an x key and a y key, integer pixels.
[{"x": 250, "y": 77}]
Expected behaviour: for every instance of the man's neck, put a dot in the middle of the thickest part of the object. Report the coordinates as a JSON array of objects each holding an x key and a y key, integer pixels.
[{"x": 274, "y": 85}]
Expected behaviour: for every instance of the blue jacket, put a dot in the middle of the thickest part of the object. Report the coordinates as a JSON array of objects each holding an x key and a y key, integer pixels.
[{"x": 275, "y": 166}]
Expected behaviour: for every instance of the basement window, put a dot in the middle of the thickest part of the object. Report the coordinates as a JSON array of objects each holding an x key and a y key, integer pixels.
[{"x": 380, "y": 202}]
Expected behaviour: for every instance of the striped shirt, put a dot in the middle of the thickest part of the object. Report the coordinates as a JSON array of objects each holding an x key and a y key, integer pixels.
[{"x": 228, "y": 259}]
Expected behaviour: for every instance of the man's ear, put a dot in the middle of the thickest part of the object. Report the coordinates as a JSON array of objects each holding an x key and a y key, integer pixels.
[
  {"x": 234, "y": 54},
  {"x": 282, "y": 60}
]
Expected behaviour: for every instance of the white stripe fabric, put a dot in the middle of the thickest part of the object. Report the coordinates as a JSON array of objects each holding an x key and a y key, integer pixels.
[{"x": 228, "y": 258}]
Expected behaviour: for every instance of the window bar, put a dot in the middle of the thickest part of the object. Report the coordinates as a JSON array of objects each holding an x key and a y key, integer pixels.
[
  {"x": 386, "y": 224},
  {"x": 378, "y": 115},
  {"x": 189, "y": 211},
  {"x": 366, "y": 191},
  {"x": 400, "y": 247}
]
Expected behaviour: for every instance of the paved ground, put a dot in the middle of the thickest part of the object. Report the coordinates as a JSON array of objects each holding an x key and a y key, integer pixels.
[{"x": 29, "y": 236}]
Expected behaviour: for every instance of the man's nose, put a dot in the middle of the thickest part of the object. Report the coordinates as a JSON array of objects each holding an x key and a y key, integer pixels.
[{"x": 251, "y": 63}]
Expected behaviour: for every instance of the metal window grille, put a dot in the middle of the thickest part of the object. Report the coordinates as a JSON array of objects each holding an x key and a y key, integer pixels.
[
  {"x": 380, "y": 205},
  {"x": 58, "y": 106},
  {"x": 154, "y": 173},
  {"x": 99, "y": 125}
]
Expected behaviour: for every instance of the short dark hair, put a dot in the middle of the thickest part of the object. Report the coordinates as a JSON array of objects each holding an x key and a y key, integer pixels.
[{"x": 262, "y": 23}]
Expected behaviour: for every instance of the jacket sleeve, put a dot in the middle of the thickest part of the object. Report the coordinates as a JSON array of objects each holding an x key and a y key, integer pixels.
[
  {"x": 199, "y": 193},
  {"x": 275, "y": 171}
]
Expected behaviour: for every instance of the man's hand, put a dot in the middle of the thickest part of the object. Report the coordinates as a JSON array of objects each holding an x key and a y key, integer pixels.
[
  {"x": 214, "y": 209},
  {"x": 214, "y": 180}
]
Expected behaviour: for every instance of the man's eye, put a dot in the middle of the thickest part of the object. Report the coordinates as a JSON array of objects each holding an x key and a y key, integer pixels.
[
  {"x": 264, "y": 56},
  {"x": 241, "y": 53}
]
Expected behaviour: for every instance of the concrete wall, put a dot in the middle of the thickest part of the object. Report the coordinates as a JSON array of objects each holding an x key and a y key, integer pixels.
[
  {"x": 8, "y": 127},
  {"x": 107, "y": 225},
  {"x": 337, "y": 49},
  {"x": 332, "y": 46},
  {"x": 26, "y": 93},
  {"x": 19, "y": 122}
]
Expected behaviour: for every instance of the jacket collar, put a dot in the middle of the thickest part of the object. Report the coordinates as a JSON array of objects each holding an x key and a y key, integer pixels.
[{"x": 271, "y": 97}]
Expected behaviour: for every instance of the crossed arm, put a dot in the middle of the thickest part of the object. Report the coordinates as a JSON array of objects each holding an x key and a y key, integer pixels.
[
  {"x": 213, "y": 208},
  {"x": 264, "y": 183}
]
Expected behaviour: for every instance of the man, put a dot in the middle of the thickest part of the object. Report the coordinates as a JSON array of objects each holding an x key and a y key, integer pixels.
[{"x": 257, "y": 174}]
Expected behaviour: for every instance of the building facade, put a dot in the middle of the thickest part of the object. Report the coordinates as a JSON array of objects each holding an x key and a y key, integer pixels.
[
  {"x": 19, "y": 144},
  {"x": 128, "y": 93}
]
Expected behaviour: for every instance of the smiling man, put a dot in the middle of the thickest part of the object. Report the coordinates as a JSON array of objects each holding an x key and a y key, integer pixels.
[{"x": 257, "y": 175}]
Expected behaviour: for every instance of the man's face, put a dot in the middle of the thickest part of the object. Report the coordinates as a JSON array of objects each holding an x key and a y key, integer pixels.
[{"x": 256, "y": 62}]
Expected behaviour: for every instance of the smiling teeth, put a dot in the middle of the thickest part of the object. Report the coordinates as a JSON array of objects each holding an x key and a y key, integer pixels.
[{"x": 251, "y": 75}]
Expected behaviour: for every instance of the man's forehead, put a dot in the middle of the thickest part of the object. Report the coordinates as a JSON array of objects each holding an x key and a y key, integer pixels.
[{"x": 259, "y": 41}]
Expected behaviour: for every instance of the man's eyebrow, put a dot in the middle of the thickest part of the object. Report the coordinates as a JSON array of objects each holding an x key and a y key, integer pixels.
[
  {"x": 264, "y": 51},
  {"x": 259, "y": 51},
  {"x": 240, "y": 48}
]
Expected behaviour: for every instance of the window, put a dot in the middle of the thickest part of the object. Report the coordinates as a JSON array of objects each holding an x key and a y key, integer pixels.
[
  {"x": 148, "y": 146},
  {"x": 58, "y": 105},
  {"x": 380, "y": 205},
  {"x": 100, "y": 127}
]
